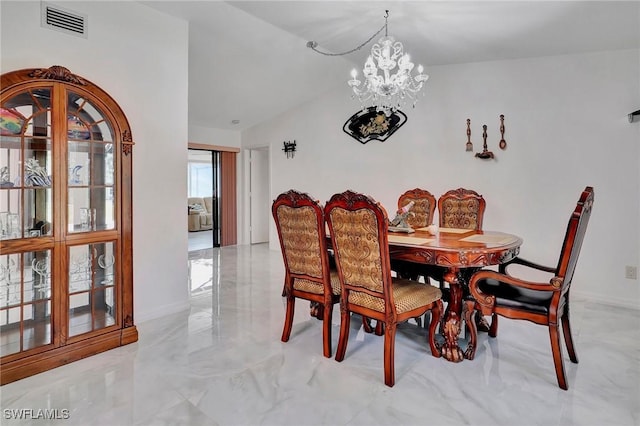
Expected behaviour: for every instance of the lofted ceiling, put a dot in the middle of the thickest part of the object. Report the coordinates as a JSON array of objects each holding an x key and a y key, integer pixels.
[{"x": 248, "y": 60}]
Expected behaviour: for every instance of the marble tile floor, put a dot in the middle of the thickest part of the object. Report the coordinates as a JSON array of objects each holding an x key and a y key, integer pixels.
[
  {"x": 222, "y": 363},
  {"x": 199, "y": 240}
]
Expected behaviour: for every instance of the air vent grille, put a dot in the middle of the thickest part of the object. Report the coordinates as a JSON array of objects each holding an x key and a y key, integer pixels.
[{"x": 61, "y": 19}]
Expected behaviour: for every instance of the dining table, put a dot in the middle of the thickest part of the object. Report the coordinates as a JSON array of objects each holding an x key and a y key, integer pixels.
[{"x": 460, "y": 252}]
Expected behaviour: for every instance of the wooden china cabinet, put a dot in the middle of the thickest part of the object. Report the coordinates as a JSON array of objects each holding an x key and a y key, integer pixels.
[{"x": 66, "y": 274}]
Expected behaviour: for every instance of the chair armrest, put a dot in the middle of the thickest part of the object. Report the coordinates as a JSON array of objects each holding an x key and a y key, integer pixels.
[
  {"x": 527, "y": 263},
  {"x": 554, "y": 284}
]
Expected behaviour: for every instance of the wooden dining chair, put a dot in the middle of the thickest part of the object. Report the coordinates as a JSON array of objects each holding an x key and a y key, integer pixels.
[
  {"x": 423, "y": 209},
  {"x": 461, "y": 208},
  {"x": 301, "y": 229},
  {"x": 422, "y": 214},
  {"x": 458, "y": 208},
  {"x": 358, "y": 226},
  {"x": 544, "y": 303}
]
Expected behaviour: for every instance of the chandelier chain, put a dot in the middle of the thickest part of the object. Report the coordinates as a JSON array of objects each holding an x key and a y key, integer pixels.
[{"x": 312, "y": 45}]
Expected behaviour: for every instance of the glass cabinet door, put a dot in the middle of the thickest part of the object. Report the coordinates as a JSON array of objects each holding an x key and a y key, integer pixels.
[
  {"x": 25, "y": 301},
  {"x": 26, "y": 165},
  {"x": 92, "y": 286},
  {"x": 91, "y": 171}
]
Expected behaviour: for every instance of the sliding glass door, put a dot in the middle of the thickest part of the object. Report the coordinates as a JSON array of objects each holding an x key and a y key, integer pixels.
[{"x": 204, "y": 183}]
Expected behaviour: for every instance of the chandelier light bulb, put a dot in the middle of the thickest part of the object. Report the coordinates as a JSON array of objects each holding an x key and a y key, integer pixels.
[{"x": 354, "y": 73}]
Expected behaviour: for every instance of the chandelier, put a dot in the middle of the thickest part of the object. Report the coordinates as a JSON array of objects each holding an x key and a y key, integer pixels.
[{"x": 389, "y": 83}]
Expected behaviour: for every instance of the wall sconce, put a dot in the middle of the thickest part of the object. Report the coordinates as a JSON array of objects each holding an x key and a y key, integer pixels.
[{"x": 290, "y": 149}]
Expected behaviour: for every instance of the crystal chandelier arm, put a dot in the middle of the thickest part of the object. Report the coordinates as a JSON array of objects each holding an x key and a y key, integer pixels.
[{"x": 313, "y": 45}]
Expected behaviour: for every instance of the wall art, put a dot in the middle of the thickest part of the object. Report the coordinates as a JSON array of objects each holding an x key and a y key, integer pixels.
[{"x": 370, "y": 124}]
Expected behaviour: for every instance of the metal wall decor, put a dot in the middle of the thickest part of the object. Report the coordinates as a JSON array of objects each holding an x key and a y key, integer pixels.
[
  {"x": 368, "y": 124},
  {"x": 486, "y": 154},
  {"x": 290, "y": 148},
  {"x": 502, "y": 144},
  {"x": 469, "y": 146}
]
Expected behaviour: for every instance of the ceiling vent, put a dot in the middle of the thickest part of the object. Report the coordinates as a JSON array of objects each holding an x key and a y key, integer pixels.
[{"x": 60, "y": 19}]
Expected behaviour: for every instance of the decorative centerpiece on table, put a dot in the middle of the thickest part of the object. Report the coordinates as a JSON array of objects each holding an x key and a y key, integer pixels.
[{"x": 399, "y": 223}]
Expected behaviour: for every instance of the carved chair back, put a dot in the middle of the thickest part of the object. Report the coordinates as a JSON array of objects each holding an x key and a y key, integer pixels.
[
  {"x": 358, "y": 226},
  {"x": 300, "y": 224},
  {"x": 461, "y": 208},
  {"x": 423, "y": 209},
  {"x": 573, "y": 238}
]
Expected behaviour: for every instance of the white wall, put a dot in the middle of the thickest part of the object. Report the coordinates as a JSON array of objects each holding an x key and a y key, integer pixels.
[
  {"x": 138, "y": 56},
  {"x": 566, "y": 128}
]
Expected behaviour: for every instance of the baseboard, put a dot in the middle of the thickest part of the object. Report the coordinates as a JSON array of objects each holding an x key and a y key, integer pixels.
[{"x": 162, "y": 311}]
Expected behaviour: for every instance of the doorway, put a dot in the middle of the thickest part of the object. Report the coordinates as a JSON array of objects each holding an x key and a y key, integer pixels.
[
  {"x": 203, "y": 177},
  {"x": 259, "y": 204}
]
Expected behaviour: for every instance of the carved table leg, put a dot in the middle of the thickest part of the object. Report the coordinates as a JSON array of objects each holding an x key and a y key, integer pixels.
[
  {"x": 463, "y": 281},
  {"x": 469, "y": 314},
  {"x": 450, "y": 350}
]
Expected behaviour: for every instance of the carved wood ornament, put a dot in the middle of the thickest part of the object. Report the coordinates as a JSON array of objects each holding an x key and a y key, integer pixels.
[
  {"x": 57, "y": 72},
  {"x": 127, "y": 142},
  {"x": 60, "y": 73}
]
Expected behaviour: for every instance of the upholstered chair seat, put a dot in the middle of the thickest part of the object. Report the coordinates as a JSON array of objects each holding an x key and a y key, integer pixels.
[
  {"x": 523, "y": 299},
  {"x": 315, "y": 287},
  {"x": 407, "y": 295}
]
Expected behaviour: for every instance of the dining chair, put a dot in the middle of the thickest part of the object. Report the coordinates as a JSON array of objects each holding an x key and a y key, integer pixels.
[
  {"x": 545, "y": 303},
  {"x": 461, "y": 208},
  {"x": 458, "y": 208},
  {"x": 301, "y": 229},
  {"x": 423, "y": 209},
  {"x": 358, "y": 227},
  {"x": 421, "y": 216}
]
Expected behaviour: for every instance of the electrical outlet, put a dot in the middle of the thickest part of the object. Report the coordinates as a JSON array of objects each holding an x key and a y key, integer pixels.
[{"x": 631, "y": 272}]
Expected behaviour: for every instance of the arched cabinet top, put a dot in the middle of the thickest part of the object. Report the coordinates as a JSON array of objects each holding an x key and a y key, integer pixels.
[{"x": 14, "y": 81}]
